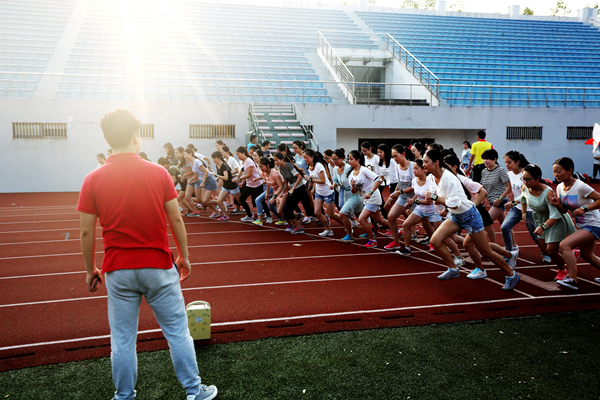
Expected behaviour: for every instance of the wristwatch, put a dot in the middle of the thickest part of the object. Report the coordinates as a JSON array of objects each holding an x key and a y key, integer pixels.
[
  {"x": 585, "y": 208},
  {"x": 434, "y": 197},
  {"x": 544, "y": 226},
  {"x": 417, "y": 201},
  {"x": 370, "y": 192}
]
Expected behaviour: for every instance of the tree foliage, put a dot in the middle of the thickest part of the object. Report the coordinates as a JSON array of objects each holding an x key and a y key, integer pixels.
[
  {"x": 527, "y": 11},
  {"x": 420, "y": 4},
  {"x": 458, "y": 5},
  {"x": 561, "y": 9}
]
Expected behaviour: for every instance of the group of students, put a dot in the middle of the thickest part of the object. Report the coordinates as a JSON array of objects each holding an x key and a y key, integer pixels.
[{"x": 427, "y": 185}]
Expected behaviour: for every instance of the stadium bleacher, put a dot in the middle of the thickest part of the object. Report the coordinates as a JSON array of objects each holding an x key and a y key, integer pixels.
[{"x": 500, "y": 52}]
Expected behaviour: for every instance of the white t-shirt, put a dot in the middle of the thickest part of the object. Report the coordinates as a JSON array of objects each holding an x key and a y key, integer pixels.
[
  {"x": 405, "y": 178},
  {"x": 597, "y": 154},
  {"x": 373, "y": 163},
  {"x": 364, "y": 183},
  {"x": 322, "y": 189},
  {"x": 451, "y": 189},
  {"x": 233, "y": 164},
  {"x": 420, "y": 193},
  {"x": 577, "y": 197},
  {"x": 516, "y": 183},
  {"x": 389, "y": 173}
]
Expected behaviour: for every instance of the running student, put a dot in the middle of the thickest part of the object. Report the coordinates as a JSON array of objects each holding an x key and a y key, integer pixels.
[
  {"x": 324, "y": 194},
  {"x": 515, "y": 162},
  {"x": 397, "y": 200},
  {"x": 365, "y": 182},
  {"x": 388, "y": 170},
  {"x": 234, "y": 165},
  {"x": 583, "y": 202},
  {"x": 228, "y": 187},
  {"x": 350, "y": 204},
  {"x": 297, "y": 193},
  {"x": 205, "y": 185},
  {"x": 253, "y": 188},
  {"x": 274, "y": 184},
  {"x": 170, "y": 150},
  {"x": 463, "y": 215},
  {"x": 190, "y": 178},
  {"x": 496, "y": 182},
  {"x": 138, "y": 262},
  {"x": 552, "y": 225}
]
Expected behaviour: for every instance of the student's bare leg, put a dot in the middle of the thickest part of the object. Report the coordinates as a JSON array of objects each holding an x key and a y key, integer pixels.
[{"x": 363, "y": 220}]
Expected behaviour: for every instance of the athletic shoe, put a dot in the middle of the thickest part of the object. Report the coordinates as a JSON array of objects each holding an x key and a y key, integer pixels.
[
  {"x": 449, "y": 274},
  {"x": 314, "y": 219},
  {"x": 214, "y": 215},
  {"x": 393, "y": 246},
  {"x": 236, "y": 212},
  {"x": 282, "y": 222},
  {"x": 561, "y": 275},
  {"x": 247, "y": 218},
  {"x": 404, "y": 252},
  {"x": 289, "y": 228},
  {"x": 269, "y": 220},
  {"x": 546, "y": 260},
  {"x": 431, "y": 248},
  {"x": 512, "y": 261},
  {"x": 515, "y": 248},
  {"x": 364, "y": 235},
  {"x": 424, "y": 241},
  {"x": 224, "y": 218},
  {"x": 597, "y": 280},
  {"x": 576, "y": 253},
  {"x": 258, "y": 222},
  {"x": 347, "y": 239},
  {"x": 180, "y": 209},
  {"x": 511, "y": 282},
  {"x": 400, "y": 232},
  {"x": 353, "y": 223},
  {"x": 413, "y": 237},
  {"x": 568, "y": 282},
  {"x": 387, "y": 233},
  {"x": 326, "y": 233},
  {"x": 190, "y": 214},
  {"x": 459, "y": 262},
  {"x": 477, "y": 274},
  {"x": 306, "y": 220},
  {"x": 371, "y": 243},
  {"x": 297, "y": 230},
  {"x": 230, "y": 206},
  {"x": 206, "y": 393}
]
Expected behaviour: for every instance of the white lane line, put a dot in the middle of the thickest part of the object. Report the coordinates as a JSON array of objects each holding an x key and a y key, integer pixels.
[
  {"x": 39, "y": 222},
  {"x": 240, "y": 285},
  {"x": 309, "y": 316},
  {"x": 37, "y": 215}
]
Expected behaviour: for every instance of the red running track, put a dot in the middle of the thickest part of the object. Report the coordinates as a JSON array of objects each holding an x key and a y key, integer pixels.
[{"x": 260, "y": 282}]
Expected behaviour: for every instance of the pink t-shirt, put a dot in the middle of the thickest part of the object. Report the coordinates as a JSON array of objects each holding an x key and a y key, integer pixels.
[
  {"x": 254, "y": 180},
  {"x": 272, "y": 178}
]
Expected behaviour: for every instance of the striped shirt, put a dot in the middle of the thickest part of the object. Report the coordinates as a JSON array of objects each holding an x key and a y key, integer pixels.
[{"x": 494, "y": 182}]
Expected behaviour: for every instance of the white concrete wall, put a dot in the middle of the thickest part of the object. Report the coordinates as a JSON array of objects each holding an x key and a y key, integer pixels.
[
  {"x": 396, "y": 72},
  {"x": 60, "y": 165}
]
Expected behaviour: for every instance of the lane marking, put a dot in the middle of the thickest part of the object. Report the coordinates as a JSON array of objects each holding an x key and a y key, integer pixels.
[
  {"x": 309, "y": 316},
  {"x": 67, "y": 235},
  {"x": 37, "y": 215}
]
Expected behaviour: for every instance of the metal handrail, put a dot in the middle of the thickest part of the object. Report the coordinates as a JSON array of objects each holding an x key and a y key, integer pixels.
[
  {"x": 412, "y": 63},
  {"x": 252, "y": 115},
  {"x": 338, "y": 66},
  {"x": 314, "y": 144}
]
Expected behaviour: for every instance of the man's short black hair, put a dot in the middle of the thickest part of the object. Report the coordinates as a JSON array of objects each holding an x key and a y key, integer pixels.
[
  {"x": 481, "y": 134},
  {"x": 119, "y": 128},
  {"x": 162, "y": 161},
  {"x": 252, "y": 138}
]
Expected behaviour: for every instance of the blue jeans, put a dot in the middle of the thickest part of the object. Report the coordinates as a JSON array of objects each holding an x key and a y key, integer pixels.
[
  {"x": 260, "y": 202},
  {"x": 162, "y": 291},
  {"x": 513, "y": 217}
]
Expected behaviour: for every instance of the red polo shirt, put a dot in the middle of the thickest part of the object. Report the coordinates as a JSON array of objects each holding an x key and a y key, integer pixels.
[{"x": 128, "y": 195}]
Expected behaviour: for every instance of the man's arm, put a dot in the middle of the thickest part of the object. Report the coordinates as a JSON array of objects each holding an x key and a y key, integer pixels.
[
  {"x": 88, "y": 248},
  {"x": 179, "y": 234}
]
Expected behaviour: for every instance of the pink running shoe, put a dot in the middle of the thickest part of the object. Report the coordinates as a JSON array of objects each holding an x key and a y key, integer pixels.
[
  {"x": 371, "y": 244},
  {"x": 562, "y": 274},
  {"x": 224, "y": 218},
  {"x": 387, "y": 233},
  {"x": 393, "y": 246},
  {"x": 431, "y": 249},
  {"x": 576, "y": 253}
]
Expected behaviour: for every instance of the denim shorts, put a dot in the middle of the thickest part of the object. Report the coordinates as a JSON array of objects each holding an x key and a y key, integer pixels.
[
  {"x": 501, "y": 205},
  {"x": 594, "y": 230},
  {"x": 210, "y": 185},
  {"x": 372, "y": 207},
  {"x": 327, "y": 199},
  {"x": 470, "y": 220},
  {"x": 432, "y": 216},
  {"x": 231, "y": 191},
  {"x": 353, "y": 205},
  {"x": 402, "y": 202}
]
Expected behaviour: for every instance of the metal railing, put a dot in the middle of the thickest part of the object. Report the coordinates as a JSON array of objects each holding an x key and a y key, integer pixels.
[
  {"x": 412, "y": 63},
  {"x": 338, "y": 66},
  {"x": 255, "y": 128},
  {"x": 314, "y": 144},
  {"x": 23, "y": 85}
]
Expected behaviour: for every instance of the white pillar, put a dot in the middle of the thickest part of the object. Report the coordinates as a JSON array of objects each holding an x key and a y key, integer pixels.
[
  {"x": 441, "y": 7},
  {"x": 514, "y": 11}
]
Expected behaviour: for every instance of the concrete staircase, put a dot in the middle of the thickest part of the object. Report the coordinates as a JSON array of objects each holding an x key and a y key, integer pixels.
[{"x": 333, "y": 90}]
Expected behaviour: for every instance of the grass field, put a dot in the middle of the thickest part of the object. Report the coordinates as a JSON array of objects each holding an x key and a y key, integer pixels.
[{"x": 542, "y": 357}]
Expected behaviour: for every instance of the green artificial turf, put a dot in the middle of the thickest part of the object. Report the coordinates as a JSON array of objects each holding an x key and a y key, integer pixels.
[{"x": 542, "y": 357}]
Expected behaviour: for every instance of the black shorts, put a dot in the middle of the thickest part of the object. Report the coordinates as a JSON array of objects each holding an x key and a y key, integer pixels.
[{"x": 485, "y": 215}]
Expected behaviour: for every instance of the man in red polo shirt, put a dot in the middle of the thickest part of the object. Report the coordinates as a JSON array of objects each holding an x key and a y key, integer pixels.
[{"x": 131, "y": 197}]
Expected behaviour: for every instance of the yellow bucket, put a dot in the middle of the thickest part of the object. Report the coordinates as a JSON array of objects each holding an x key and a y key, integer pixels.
[{"x": 198, "y": 313}]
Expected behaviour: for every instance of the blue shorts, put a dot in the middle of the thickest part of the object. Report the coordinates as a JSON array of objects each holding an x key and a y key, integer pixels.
[
  {"x": 402, "y": 202},
  {"x": 432, "y": 216},
  {"x": 327, "y": 199},
  {"x": 353, "y": 205},
  {"x": 501, "y": 205},
  {"x": 210, "y": 185},
  {"x": 371, "y": 207},
  {"x": 470, "y": 220},
  {"x": 594, "y": 230},
  {"x": 231, "y": 191}
]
